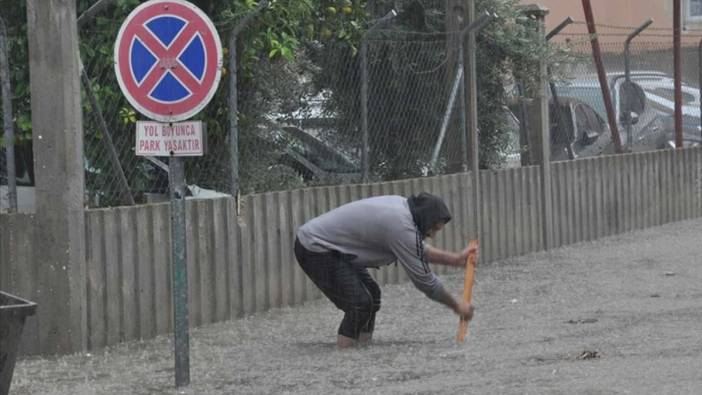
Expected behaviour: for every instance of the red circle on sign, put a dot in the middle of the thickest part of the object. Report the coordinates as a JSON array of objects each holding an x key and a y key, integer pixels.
[{"x": 139, "y": 93}]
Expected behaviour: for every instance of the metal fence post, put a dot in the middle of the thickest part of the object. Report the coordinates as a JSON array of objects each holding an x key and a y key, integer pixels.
[
  {"x": 627, "y": 71},
  {"x": 9, "y": 131},
  {"x": 233, "y": 116},
  {"x": 552, "y": 85},
  {"x": 602, "y": 76},
  {"x": 364, "y": 111},
  {"x": 677, "y": 61}
]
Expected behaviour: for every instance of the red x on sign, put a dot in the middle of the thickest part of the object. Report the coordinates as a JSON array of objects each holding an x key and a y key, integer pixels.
[{"x": 168, "y": 59}]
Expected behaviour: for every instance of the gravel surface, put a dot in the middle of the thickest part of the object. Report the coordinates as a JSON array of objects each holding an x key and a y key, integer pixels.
[{"x": 617, "y": 316}]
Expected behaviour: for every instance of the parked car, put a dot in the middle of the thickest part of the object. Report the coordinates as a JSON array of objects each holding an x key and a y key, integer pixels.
[
  {"x": 314, "y": 159},
  {"x": 644, "y": 109}
]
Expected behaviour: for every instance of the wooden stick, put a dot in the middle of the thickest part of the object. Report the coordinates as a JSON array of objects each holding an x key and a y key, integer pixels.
[{"x": 471, "y": 261}]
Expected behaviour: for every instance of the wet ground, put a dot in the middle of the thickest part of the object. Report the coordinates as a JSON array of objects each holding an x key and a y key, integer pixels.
[{"x": 617, "y": 316}]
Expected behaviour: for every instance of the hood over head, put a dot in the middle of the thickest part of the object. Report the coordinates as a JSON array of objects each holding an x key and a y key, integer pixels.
[{"x": 427, "y": 210}]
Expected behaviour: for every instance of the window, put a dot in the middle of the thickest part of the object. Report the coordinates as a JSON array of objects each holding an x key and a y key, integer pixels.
[{"x": 694, "y": 9}]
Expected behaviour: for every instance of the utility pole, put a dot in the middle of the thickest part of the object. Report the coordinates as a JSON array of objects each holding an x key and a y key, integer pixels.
[{"x": 57, "y": 137}]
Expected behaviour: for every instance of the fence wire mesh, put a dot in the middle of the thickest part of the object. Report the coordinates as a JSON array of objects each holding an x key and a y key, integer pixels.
[
  {"x": 19, "y": 127},
  {"x": 409, "y": 91}
]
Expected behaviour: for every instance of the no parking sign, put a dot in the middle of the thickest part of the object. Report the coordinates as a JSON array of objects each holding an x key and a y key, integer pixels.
[{"x": 168, "y": 59}]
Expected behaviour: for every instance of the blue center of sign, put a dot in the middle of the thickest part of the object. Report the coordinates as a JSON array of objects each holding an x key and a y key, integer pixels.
[
  {"x": 166, "y": 28},
  {"x": 192, "y": 57}
]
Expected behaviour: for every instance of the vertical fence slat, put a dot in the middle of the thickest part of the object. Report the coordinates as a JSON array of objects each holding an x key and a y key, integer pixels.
[
  {"x": 309, "y": 210},
  {"x": 588, "y": 215},
  {"x": 22, "y": 272},
  {"x": 518, "y": 231},
  {"x": 629, "y": 201},
  {"x": 273, "y": 256},
  {"x": 205, "y": 259},
  {"x": 597, "y": 185},
  {"x": 567, "y": 174},
  {"x": 666, "y": 188},
  {"x": 491, "y": 215},
  {"x": 248, "y": 274},
  {"x": 689, "y": 167},
  {"x": 454, "y": 196},
  {"x": 621, "y": 194},
  {"x": 114, "y": 302},
  {"x": 96, "y": 281},
  {"x": 578, "y": 191},
  {"x": 636, "y": 193},
  {"x": 159, "y": 269},
  {"x": 651, "y": 184},
  {"x": 259, "y": 243},
  {"x": 221, "y": 269},
  {"x": 610, "y": 191},
  {"x": 466, "y": 211},
  {"x": 449, "y": 192},
  {"x": 511, "y": 224},
  {"x": 676, "y": 174},
  {"x": 146, "y": 242},
  {"x": 659, "y": 182},
  {"x": 607, "y": 212},
  {"x": 192, "y": 230},
  {"x": 297, "y": 215},
  {"x": 686, "y": 182},
  {"x": 127, "y": 264},
  {"x": 287, "y": 257},
  {"x": 529, "y": 219},
  {"x": 234, "y": 260},
  {"x": 499, "y": 213},
  {"x": 640, "y": 192},
  {"x": 569, "y": 182},
  {"x": 558, "y": 197},
  {"x": 539, "y": 215}
]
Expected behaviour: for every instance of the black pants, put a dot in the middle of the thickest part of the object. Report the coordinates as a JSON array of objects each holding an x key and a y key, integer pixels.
[{"x": 350, "y": 288}]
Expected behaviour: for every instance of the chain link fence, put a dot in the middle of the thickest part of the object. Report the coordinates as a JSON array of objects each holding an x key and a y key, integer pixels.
[
  {"x": 15, "y": 113},
  {"x": 301, "y": 124}
]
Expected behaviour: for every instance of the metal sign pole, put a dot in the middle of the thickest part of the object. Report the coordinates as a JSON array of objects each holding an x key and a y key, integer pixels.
[
  {"x": 167, "y": 101},
  {"x": 176, "y": 181}
]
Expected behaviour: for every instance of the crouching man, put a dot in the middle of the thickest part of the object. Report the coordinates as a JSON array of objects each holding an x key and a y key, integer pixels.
[{"x": 336, "y": 249}]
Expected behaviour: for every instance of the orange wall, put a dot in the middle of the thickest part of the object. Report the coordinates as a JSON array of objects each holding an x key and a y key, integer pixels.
[{"x": 619, "y": 13}]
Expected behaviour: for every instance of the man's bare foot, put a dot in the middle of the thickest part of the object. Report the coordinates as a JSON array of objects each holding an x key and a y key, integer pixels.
[
  {"x": 345, "y": 342},
  {"x": 365, "y": 338}
]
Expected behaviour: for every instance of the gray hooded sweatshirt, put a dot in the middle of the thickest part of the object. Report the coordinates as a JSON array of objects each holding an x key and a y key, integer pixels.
[{"x": 374, "y": 232}]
